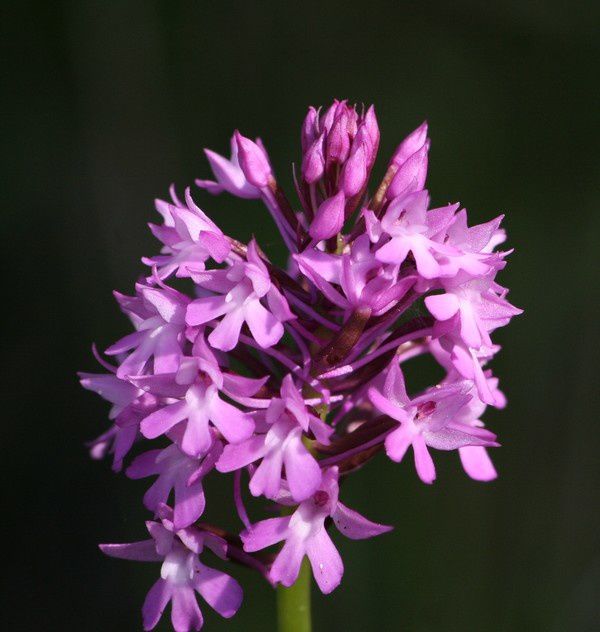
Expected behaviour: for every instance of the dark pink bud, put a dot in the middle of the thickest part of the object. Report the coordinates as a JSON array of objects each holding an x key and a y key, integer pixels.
[
  {"x": 329, "y": 218},
  {"x": 411, "y": 175},
  {"x": 372, "y": 127},
  {"x": 253, "y": 161},
  {"x": 354, "y": 173},
  {"x": 329, "y": 116},
  {"x": 338, "y": 142},
  {"x": 310, "y": 129},
  {"x": 412, "y": 143},
  {"x": 313, "y": 162}
]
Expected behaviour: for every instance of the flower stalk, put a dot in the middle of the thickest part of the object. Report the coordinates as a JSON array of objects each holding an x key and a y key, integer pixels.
[{"x": 294, "y": 603}]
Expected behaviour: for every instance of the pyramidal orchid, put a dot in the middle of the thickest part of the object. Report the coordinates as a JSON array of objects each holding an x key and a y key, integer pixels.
[{"x": 291, "y": 375}]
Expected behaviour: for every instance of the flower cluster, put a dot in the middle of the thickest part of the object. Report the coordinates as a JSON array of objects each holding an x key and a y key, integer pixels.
[{"x": 295, "y": 375}]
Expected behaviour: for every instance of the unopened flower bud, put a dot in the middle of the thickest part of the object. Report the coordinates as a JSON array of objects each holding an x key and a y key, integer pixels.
[
  {"x": 313, "y": 162},
  {"x": 338, "y": 142},
  {"x": 253, "y": 161},
  {"x": 329, "y": 218},
  {"x": 412, "y": 174},
  {"x": 310, "y": 129},
  {"x": 354, "y": 173},
  {"x": 412, "y": 143},
  {"x": 372, "y": 127}
]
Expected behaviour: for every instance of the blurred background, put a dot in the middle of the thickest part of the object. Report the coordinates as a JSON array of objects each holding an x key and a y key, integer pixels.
[{"x": 107, "y": 103}]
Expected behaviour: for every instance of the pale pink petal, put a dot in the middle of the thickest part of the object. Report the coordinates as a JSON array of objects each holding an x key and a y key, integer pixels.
[
  {"x": 144, "y": 551},
  {"x": 219, "y": 590},
  {"x": 423, "y": 461},
  {"x": 302, "y": 471},
  {"x": 226, "y": 334},
  {"x": 189, "y": 504},
  {"x": 204, "y": 309},
  {"x": 286, "y": 567},
  {"x": 241, "y": 454},
  {"x": 267, "y": 477},
  {"x": 265, "y": 533},
  {"x": 354, "y": 526},
  {"x": 155, "y": 603},
  {"x": 442, "y": 306},
  {"x": 163, "y": 419},
  {"x": 477, "y": 463},
  {"x": 197, "y": 438},
  {"x": 235, "y": 425},
  {"x": 185, "y": 613},
  {"x": 397, "y": 442},
  {"x": 265, "y": 328},
  {"x": 385, "y": 406},
  {"x": 326, "y": 563}
]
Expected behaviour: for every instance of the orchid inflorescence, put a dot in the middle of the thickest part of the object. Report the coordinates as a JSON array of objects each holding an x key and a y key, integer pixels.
[{"x": 295, "y": 376}]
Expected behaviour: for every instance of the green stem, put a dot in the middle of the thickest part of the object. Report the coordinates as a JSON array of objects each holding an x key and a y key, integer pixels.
[{"x": 293, "y": 604}]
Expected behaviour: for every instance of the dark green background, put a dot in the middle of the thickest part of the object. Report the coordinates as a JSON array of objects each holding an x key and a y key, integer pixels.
[{"x": 107, "y": 102}]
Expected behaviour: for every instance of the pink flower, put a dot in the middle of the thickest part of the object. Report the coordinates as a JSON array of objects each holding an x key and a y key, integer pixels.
[
  {"x": 280, "y": 447},
  {"x": 244, "y": 286},
  {"x": 189, "y": 239},
  {"x": 292, "y": 377},
  {"x": 229, "y": 175},
  {"x": 182, "y": 574},
  {"x": 304, "y": 533},
  {"x": 426, "y": 421},
  {"x": 178, "y": 472}
]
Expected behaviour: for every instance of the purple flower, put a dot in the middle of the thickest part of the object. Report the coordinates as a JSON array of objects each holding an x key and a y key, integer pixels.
[
  {"x": 411, "y": 229},
  {"x": 280, "y": 447},
  {"x": 189, "y": 239},
  {"x": 178, "y": 472},
  {"x": 158, "y": 315},
  {"x": 305, "y": 533},
  {"x": 295, "y": 375},
  {"x": 129, "y": 406},
  {"x": 364, "y": 281},
  {"x": 182, "y": 574},
  {"x": 229, "y": 175},
  {"x": 471, "y": 310},
  {"x": 429, "y": 420},
  {"x": 242, "y": 287}
]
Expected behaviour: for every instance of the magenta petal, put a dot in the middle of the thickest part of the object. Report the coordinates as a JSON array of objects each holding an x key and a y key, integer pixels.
[
  {"x": 189, "y": 504},
  {"x": 302, "y": 471},
  {"x": 397, "y": 442},
  {"x": 197, "y": 438},
  {"x": 477, "y": 463},
  {"x": 163, "y": 420},
  {"x": 265, "y": 328},
  {"x": 235, "y": 425},
  {"x": 144, "y": 551},
  {"x": 442, "y": 306},
  {"x": 385, "y": 406},
  {"x": 241, "y": 454},
  {"x": 267, "y": 477},
  {"x": 326, "y": 563},
  {"x": 354, "y": 526},
  {"x": 286, "y": 567},
  {"x": 226, "y": 334},
  {"x": 219, "y": 590},
  {"x": 185, "y": 613},
  {"x": 265, "y": 533},
  {"x": 144, "y": 465},
  {"x": 202, "y": 310},
  {"x": 155, "y": 603},
  {"x": 423, "y": 461}
]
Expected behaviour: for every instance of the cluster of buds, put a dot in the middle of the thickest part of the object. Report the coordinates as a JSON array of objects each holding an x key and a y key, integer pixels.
[{"x": 294, "y": 376}]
